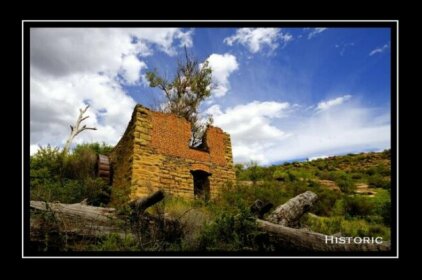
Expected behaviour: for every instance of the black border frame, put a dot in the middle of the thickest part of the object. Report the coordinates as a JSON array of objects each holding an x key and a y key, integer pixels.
[{"x": 28, "y": 24}]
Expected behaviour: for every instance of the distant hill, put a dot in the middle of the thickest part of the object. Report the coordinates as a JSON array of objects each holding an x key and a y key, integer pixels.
[{"x": 372, "y": 168}]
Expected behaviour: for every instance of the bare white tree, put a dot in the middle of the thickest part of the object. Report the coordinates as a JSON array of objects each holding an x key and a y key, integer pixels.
[{"x": 76, "y": 129}]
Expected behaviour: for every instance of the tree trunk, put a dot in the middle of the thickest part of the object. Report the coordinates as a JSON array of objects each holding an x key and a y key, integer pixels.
[
  {"x": 259, "y": 208},
  {"x": 75, "y": 219},
  {"x": 142, "y": 204},
  {"x": 290, "y": 212},
  {"x": 308, "y": 241}
]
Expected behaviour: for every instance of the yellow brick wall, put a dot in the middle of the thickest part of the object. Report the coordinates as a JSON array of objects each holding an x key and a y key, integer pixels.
[{"x": 161, "y": 157}]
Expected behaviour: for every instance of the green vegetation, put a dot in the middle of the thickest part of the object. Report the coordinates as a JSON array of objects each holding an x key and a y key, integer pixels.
[
  {"x": 353, "y": 200},
  {"x": 341, "y": 207},
  {"x": 190, "y": 86},
  {"x": 68, "y": 178}
]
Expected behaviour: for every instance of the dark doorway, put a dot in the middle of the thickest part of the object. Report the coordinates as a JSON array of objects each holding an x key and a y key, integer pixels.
[{"x": 201, "y": 184}]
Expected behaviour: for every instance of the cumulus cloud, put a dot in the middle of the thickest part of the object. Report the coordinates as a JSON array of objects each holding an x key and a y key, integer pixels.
[
  {"x": 131, "y": 68},
  {"x": 325, "y": 105},
  {"x": 256, "y": 39},
  {"x": 222, "y": 65},
  {"x": 73, "y": 67},
  {"x": 315, "y": 31},
  {"x": 250, "y": 127},
  {"x": 378, "y": 50},
  {"x": 270, "y": 132}
]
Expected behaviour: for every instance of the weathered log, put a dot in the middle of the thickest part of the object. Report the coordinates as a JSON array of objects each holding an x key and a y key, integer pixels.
[
  {"x": 304, "y": 240},
  {"x": 142, "y": 204},
  {"x": 259, "y": 208},
  {"x": 76, "y": 210},
  {"x": 76, "y": 219},
  {"x": 290, "y": 212},
  {"x": 89, "y": 221}
]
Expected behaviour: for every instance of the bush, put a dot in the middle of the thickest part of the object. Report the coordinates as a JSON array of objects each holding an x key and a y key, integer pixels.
[
  {"x": 230, "y": 231},
  {"x": 386, "y": 213},
  {"x": 114, "y": 242},
  {"x": 326, "y": 201},
  {"x": 68, "y": 178},
  {"x": 378, "y": 181},
  {"x": 343, "y": 180},
  {"x": 356, "y": 206},
  {"x": 280, "y": 175},
  {"x": 254, "y": 172}
]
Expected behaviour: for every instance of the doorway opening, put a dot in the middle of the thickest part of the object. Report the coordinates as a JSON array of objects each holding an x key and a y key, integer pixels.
[{"x": 201, "y": 184}]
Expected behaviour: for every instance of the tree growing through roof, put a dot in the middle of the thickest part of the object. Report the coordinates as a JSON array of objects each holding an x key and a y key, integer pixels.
[{"x": 184, "y": 93}]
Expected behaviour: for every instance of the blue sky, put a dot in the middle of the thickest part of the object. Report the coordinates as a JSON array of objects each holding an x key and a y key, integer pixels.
[{"x": 282, "y": 93}]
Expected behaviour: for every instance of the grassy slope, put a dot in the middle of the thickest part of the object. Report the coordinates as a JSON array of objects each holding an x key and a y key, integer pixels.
[{"x": 341, "y": 208}]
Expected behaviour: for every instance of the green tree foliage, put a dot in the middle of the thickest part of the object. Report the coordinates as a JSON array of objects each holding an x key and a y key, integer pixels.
[
  {"x": 238, "y": 169},
  {"x": 254, "y": 171},
  {"x": 184, "y": 93},
  {"x": 68, "y": 178}
]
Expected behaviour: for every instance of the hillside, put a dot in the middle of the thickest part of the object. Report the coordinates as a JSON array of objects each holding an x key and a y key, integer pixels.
[{"x": 354, "y": 191}]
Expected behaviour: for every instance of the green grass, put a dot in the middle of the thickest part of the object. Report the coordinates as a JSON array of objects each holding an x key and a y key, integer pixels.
[
  {"x": 347, "y": 227},
  {"x": 225, "y": 223}
]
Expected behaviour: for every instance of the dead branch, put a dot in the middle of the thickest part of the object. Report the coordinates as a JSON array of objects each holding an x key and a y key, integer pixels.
[{"x": 76, "y": 129}]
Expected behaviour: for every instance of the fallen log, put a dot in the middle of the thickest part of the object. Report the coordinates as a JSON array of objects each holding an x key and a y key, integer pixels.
[
  {"x": 76, "y": 219},
  {"x": 87, "y": 221},
  {"x": 80, "y": 219},
  {"x": 142, "y": 204},
  {"x": 76, "y": 210},
  {"x": 259, "y": 208},
  {"x": 289, "y": 213},
  {"x": 308, "y": 241}
]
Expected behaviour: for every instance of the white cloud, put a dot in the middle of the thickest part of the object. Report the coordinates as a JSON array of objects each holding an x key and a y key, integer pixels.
[
  {"x": 379, "y": 50},
  {"x": 222, "y": 65},
  {"x": 131, "y": 68},
  {"x": 185, "y": 38},
  {"x": 318, "y": 157},
  {"x": 325, "y": 105},
  {"x": 315, "y": 31},
  {"x": 33, "y": 149},
  {"x": 256, "y": 39},
  {"x": 250, "y": 127},
  {"x": 72, "y": 67},
  {"x": 259, "y": 133}
]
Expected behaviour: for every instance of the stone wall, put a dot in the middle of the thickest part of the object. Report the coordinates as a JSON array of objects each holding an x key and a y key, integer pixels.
[
  {"x": 162, "y": 158},
  {"x": 121, "y": 161}
]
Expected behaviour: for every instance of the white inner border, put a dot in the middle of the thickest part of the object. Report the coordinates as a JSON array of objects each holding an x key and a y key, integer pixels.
[{"x": 221, "y": 257}]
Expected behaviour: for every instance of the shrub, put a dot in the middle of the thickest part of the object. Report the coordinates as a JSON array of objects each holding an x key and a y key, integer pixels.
[
  {"x": 326, "y": 201},
  {"x": 280, "y": 175},
  {"x": 68, "y": 178},
  {"x": 254, "y": 172},
  {"x": 97, "y": 191},
  {"x": 230, "y": 231},
  {"x": 114, "y": 242},
  {"x": 386, "y": 213},
  {"x": 378, "y": 181},
  {"x": 356, "y": 206}
]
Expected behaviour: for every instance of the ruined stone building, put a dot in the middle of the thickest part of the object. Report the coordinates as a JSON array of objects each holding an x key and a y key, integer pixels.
[{"x": 154, "y": 154}]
